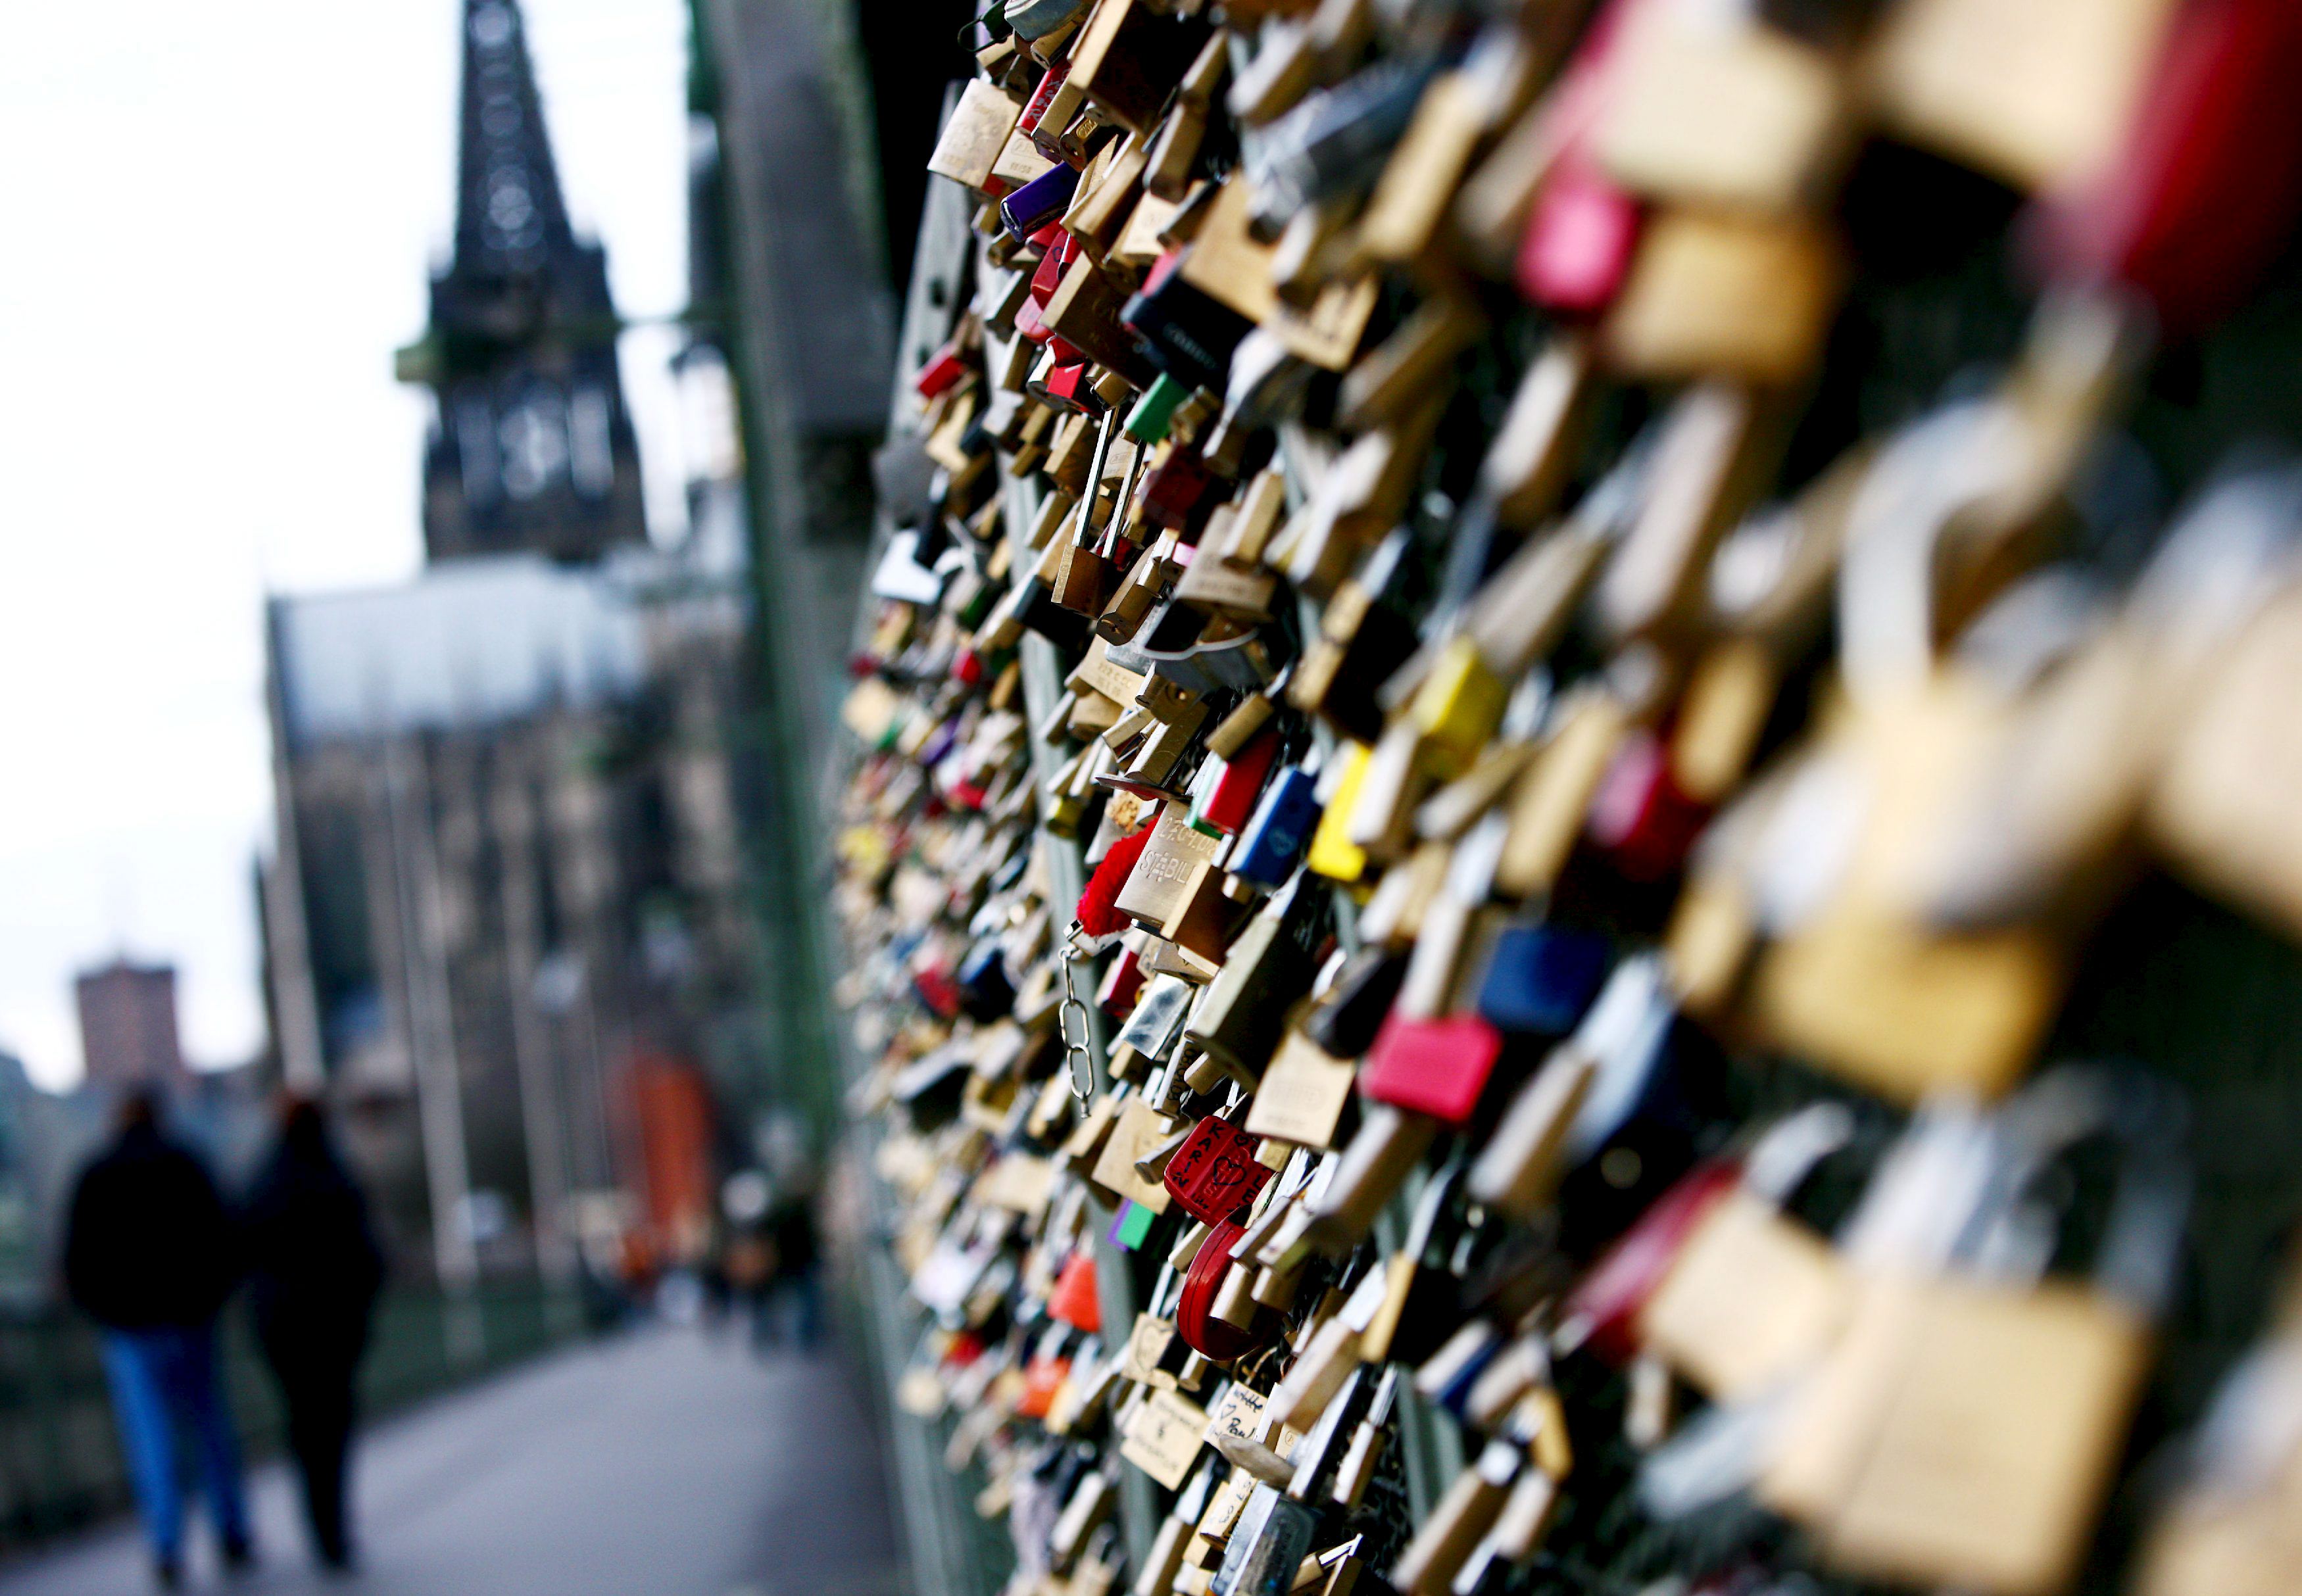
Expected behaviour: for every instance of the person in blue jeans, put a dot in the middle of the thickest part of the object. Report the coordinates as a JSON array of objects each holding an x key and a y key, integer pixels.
[{"x": 149, "y": 1256}]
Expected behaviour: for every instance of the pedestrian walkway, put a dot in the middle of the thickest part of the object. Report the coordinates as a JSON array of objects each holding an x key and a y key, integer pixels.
[{"x": 661, "y": 1463}]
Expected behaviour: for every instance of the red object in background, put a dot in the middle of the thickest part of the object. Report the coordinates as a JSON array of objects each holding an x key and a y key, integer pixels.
[
  {"x": 941, "y": 374},
  {"x": 1579, "y": 240},
  {"x": 1123, "y": 984},
  {"x": 2204, "y": 195},
  {"x": 1073, "y": 1300},
  {"x": 967, "y": 667},
  {"x": 1043, "y": 1377},
  {"x": 965, "y": 1347},
  {"x": 938, "y": 990},
  {"x": 1640, "y": 818},
  {"x": 1435, "y": 1067},
  {"x": 1583, "y": 226},
  {"x": 1097, "y": 912},
  {"x": 1231, "y": 803},
  {"x": 667, "y": 1163},
  {"x": 1175, "y": 489},
  {"x": 1214, "y": 1174},
  {"x": 1218, "y": 1339},
  {"x": 1608, "y": 1301}
]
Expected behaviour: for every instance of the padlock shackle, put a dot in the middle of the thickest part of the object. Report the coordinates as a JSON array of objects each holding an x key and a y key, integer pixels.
[
  {"x": 2142, "y": 1235},
  {"x": 1790, "y": 1149}
]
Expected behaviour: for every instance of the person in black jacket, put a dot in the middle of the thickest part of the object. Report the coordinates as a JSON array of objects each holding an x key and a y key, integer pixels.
[
  {"x": 149, "y": 1254},
  {"x": 313, "y": 1273}
]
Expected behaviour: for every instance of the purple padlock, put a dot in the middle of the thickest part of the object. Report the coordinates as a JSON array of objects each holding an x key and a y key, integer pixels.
[{"x": 1039, "y": 202}]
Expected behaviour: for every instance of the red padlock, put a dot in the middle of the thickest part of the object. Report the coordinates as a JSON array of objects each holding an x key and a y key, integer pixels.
[
  {"x": 1030, "y": 329},
  {"x": 941, "y": 374},
  {"x": 1068, "y": 388},
  {"x": 1074, "y": 1300},
  {"x": 1214, "y": 1174},
  {"x": 1583, "y": 225},
  {"x": 1579, "y": 241},
  {"x": 1176, "y": 489},
  {"x": 1640, "y": 817},
  {"x": 938, "y": 990},
  {"x": 1123, "y": 984},
  {"x": 1604, "y": 1308},
  {"x": 1231, "y": 802},
  {"x": 2204, "y": 194},
  {"x": 1047, "y": 276},
  {"x": 1036, "y": 106},
  {"x": 1219, "y": 1341},
  {"x": 1043, "y": 1377},
  {"x": 1435, "y": 1067}
]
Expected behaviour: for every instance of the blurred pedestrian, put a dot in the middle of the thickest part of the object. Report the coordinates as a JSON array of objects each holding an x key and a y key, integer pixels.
[
  {"x": 313, "y": 1273},
  {"x": 798, "y": 1266},
  {"x": 149, "y": 1254}
]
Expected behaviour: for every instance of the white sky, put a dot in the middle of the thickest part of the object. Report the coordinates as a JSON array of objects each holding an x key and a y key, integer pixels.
[{"x": 219, "y": 221}]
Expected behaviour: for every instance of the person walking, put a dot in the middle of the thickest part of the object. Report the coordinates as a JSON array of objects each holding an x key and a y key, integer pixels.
[
  {"x": 149, "y": 1256},
  {"x": 798, "y": 1264},
  {"x": 313, "y": 1273}
]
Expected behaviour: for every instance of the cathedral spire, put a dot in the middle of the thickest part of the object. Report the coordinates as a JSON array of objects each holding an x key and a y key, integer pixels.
[
  {"x": 509, "y": 215},
  {"x": 532, "y": 448}
]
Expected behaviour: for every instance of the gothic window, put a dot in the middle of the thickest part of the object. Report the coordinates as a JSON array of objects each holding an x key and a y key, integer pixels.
[
  {"x": 591, "y": 450},
  {"x": 533, "y": 436},
  {"x": 475, "y": 447}
]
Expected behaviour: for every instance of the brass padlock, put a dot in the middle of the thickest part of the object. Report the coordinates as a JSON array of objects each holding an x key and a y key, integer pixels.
[{"x": 1965, "y": 1426}]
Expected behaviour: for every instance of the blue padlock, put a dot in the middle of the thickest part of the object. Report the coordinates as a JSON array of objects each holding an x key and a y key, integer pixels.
[
  {"x": 987, "y": 991},
  {"x": 1281, "y": 824},
  {"x": 1541, "y": 979}
]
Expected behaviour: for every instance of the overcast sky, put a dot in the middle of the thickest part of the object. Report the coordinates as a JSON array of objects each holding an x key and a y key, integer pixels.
[{"x": 218, "y": 222}]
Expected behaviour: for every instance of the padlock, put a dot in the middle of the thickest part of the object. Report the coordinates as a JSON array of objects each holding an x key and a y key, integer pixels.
[
  {"x": 1214, "y": 1174},
  {"x": 1217, "y": 1340},
  {"x": 1346, "y": 1019},
  {"x": 985, "y": 990},
  {"x": 1271, "y": 963},
  {"x": 2228, "y": 1528},
  {"x": 1752, "y": 1298},
  {"x": 1039, "y": 202},
  {"x": 1964, "y": 1428},
  {"x": 1612, "y": 1120},
  {"x": 1267, "y": 1547},
  {"x": 1580, "y": 240},
  {"x": 1273, "y": 838},
  {"x": 1237, "y": 784},
  {"x": 1539, "y": 979},
  {"x": 1148, "y": 421},
  {"x": 1641, "y": 818},
  {"x": 1436, "y": 1066},
  {"x": 1190, "y": 332}
]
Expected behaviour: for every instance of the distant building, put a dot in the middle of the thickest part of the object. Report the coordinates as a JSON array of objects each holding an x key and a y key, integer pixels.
[
  {"x": 510, "y": 861},
  {"x": 128, "y": 1025}
]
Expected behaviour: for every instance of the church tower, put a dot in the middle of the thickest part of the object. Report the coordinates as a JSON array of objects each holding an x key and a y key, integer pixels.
[{"x": 530, "y": 447}]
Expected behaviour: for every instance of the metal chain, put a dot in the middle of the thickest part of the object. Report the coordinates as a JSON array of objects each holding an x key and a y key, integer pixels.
[{"x": 1077, "y": 1060}]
